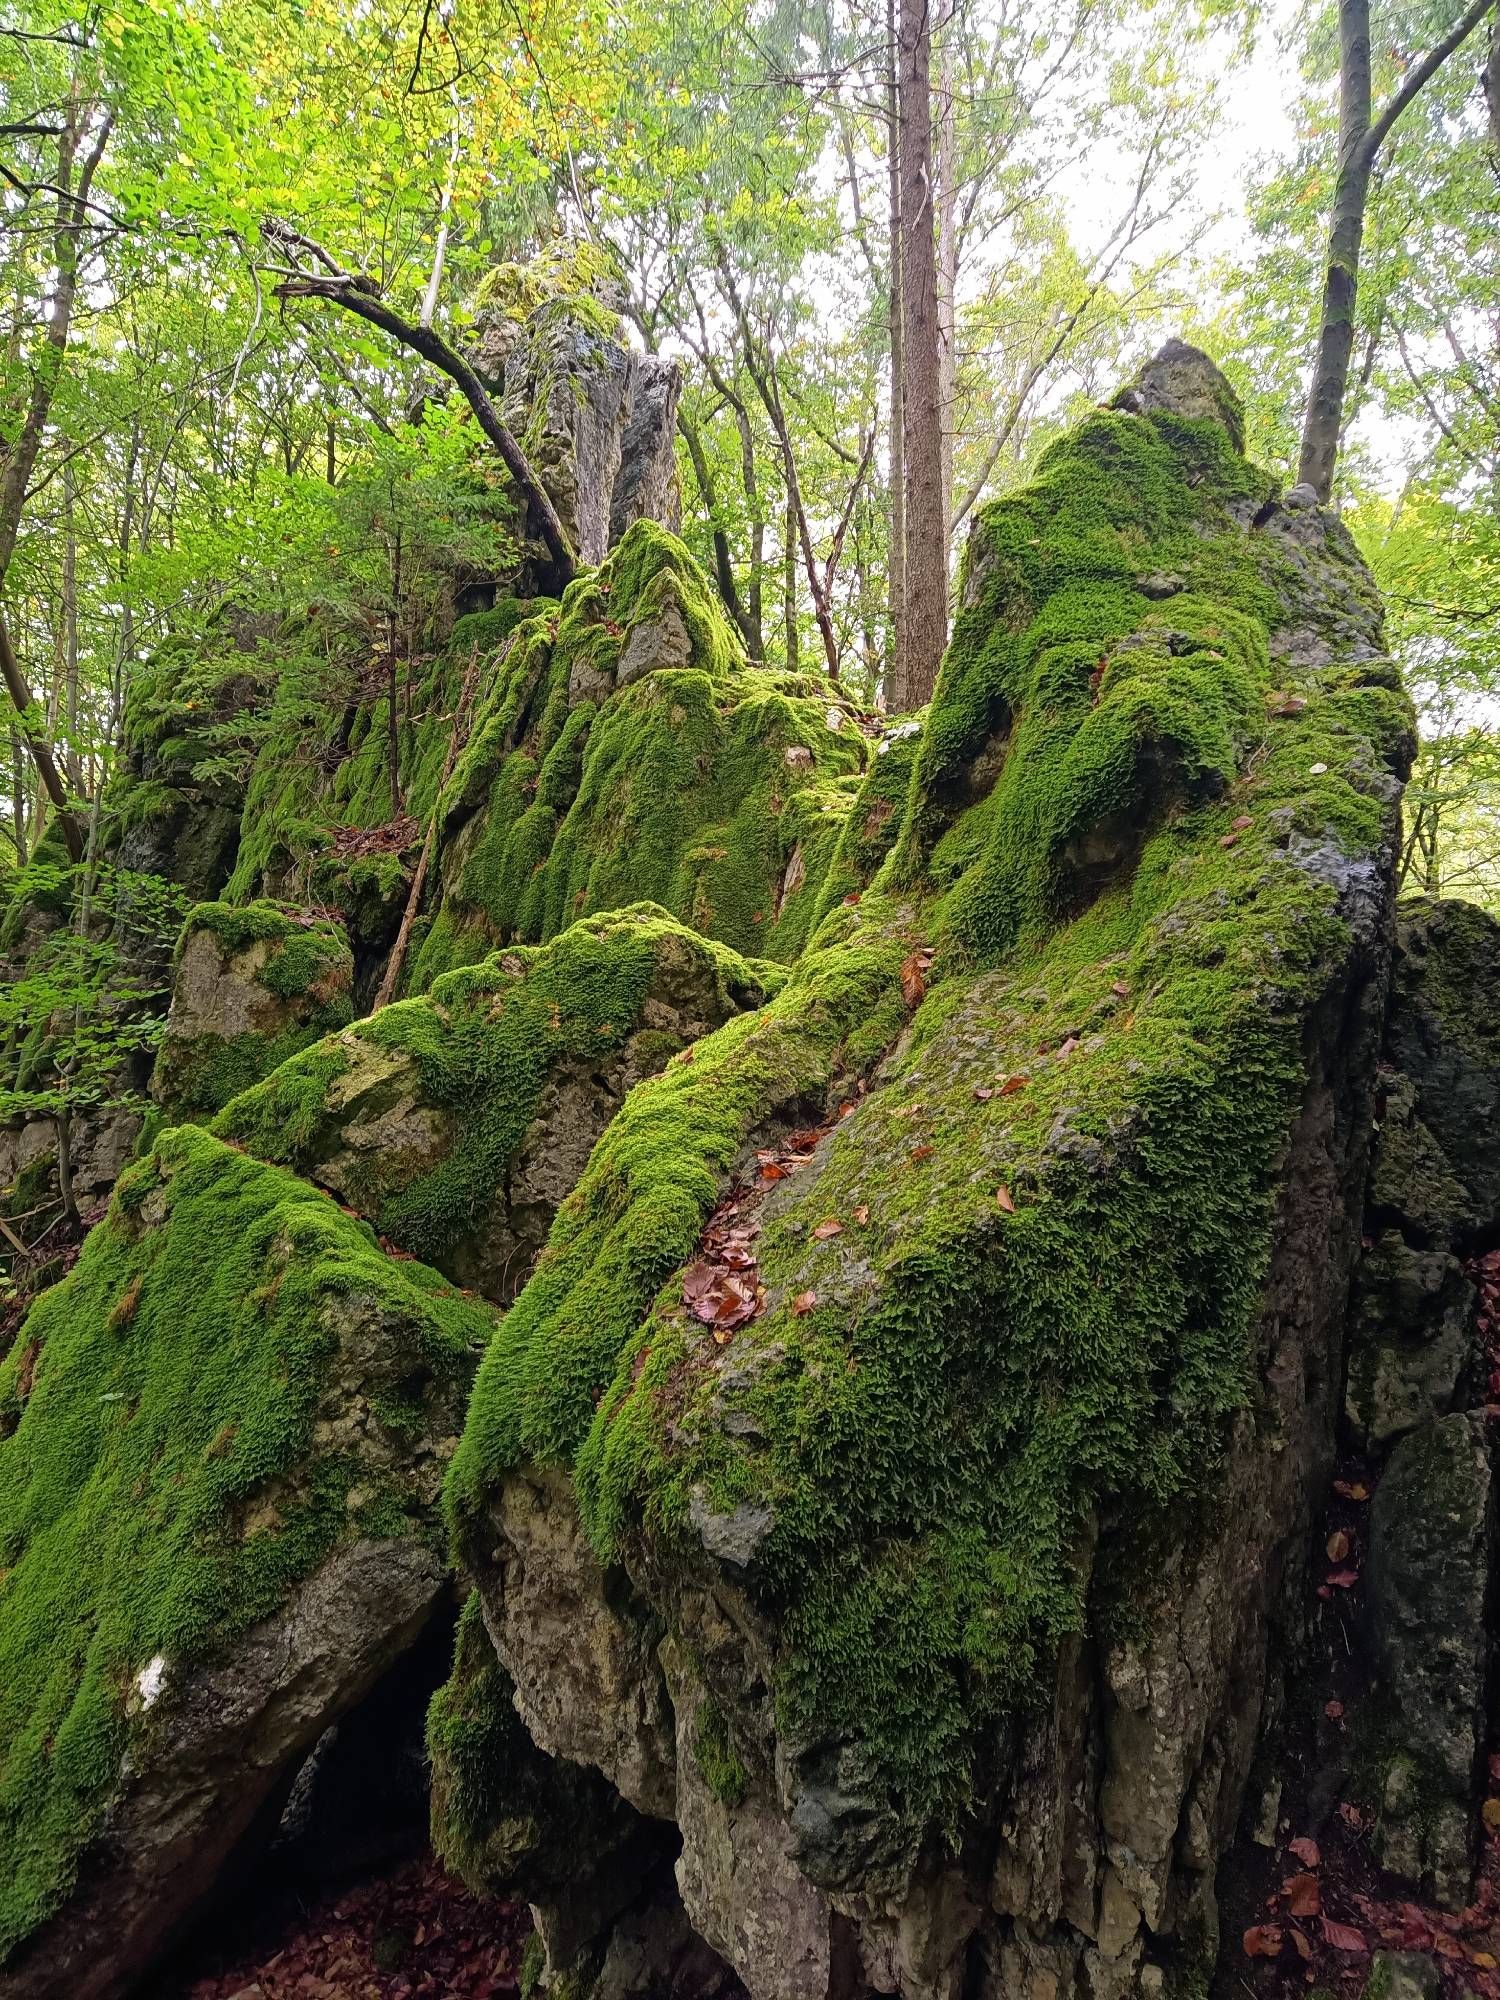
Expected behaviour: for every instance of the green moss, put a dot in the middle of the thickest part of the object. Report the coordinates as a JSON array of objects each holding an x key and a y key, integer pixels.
[
  {"x": 718, "y": 791},
  {"x": 305, "y": 972},
  {"x": 160, "y": 1488},
  {"x": 1126, "y": 845},
  {"x": 485, "y": 1042},
  {"x": 723, "y": 1771}
]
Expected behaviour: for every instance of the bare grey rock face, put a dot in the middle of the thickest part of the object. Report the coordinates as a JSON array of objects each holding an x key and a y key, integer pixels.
[
  {"x": 1432, "y": 1549},
  {"x": 598, "y": 421}
]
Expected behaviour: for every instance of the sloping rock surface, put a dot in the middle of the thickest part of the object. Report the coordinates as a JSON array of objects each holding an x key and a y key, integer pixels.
[{"x": 934, "y": 1596}]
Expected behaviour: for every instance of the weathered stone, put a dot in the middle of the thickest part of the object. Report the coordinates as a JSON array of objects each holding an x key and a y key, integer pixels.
[
  {"x": 871, "y": 1527},
  {"x": 251, "y": 987},
  {"x": 1183, "y": 380},
  {"x": 1403, "y": 1975},
  {"x": 250, "y": 1542},
  {"x": 1412, "y": 1339},
  {"x": 459, "y": 1122},
  {"x": 1432, "y": 1545}
]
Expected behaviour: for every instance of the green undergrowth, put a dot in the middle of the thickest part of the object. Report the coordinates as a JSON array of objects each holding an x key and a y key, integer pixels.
[
  {"x": 299, "y": 990},
  {"x": 160, "y": 1484},
  {"x": 484, "y": 1043},
  {"x": 1127, "y": 844}
]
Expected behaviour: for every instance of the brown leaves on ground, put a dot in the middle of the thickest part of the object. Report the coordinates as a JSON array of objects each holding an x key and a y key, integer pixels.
[
  {"x": 829, "y": 1226},
  {"x": 1005, "y": 1200},
  {"x": 721, "y": 1288},
  {"x": 352, "y": 843},
  {"x": 416, "y": 1935},
  {"x": 914, "y": 969},
  {"x": 1263, "y": 1941},
  {"x": 1303, "y": 1896}
]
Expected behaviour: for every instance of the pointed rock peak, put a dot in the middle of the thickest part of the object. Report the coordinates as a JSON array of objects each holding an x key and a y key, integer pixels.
[{"x": 1184, "y": 380}]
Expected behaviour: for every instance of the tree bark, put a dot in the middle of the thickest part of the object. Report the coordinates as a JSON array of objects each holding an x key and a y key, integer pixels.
[
  {"x": 926, "y": 593},
  {"x": 359, "y": 296},
  {"x": 1360, "y": 142},
  {"x": 749, "y": 630},
  {"x": 947, "y": 271},
  {"x": 41, "y": 750},
  {"x": 896, "y": 697}
]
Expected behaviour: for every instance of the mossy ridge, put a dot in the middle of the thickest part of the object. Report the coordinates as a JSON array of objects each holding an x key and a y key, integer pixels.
[
  {"x": 159, "y": 1486},
  {"x": 717, "y": 790},
  {"x": 929, "y": 1486},
  {"x": 636, "y": 1215},
  {"x": 485, "y": 1039}
]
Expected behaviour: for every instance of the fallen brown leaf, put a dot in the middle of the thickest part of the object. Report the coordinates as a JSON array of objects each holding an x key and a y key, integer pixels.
[
  {"x": 1303, "y": 1896},
  {"x": 1344, "y": 1937},
  {"x": 829, "y": 1226},
  {"x": 1337, "y": 1545},
  {"x": 1306, "y": 1851},
  {"x": 1005, "y": 1199},
  {"x": 804, "y": 1303},
  {"x": 1262, "y": 1941}
]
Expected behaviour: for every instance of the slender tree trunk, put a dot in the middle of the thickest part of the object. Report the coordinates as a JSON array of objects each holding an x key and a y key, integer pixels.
[
  {"x": 1360, "y": 142},
  {"x": 947, "y": 269},
  {"x": 70, "y": 634},
  {"x": 789, "y": 580},
  {"x": 922, "y": 450},
  {"x": 18, "y": 795},
  {"x": 330, "y": 455},
  {"x": 1330, "y": 376},
  {"x": 748, "y": 629},
  {"x": 896, "y": 697},
  {"x": 1492, "y": 82},
  {"x": 37, "y": 744}
]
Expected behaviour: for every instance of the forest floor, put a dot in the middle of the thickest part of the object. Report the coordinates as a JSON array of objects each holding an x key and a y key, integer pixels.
[{"x": 413, "y": 1934}]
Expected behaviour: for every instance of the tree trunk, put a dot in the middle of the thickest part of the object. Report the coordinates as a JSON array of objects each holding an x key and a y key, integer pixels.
[
  {"x": 70, "y": 635},
  {"x": 1360, "y": 142},
  {"x": 41, "y": 750},
  {"x": 789, "y": 580},
  {"x": 895, "y": 666},
  {"x": 1330, "y": 376},
  {"x": 947, "y": 270},
  {"x": 926, "y": 594}
]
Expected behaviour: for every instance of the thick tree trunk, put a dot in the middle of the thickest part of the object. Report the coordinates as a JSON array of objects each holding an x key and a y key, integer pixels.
[
  {"x": 895, "y": 669},
  {"x": 922, "y": 450}
]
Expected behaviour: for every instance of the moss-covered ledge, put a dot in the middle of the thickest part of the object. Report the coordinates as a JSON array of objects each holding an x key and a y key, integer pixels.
[{"x": 232, "y": 1386}]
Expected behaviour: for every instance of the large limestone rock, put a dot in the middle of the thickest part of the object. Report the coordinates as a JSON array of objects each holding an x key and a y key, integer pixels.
[
  {"x": 597, "y": 420},
  {"x": 250, "y": 987},
  {"x": 221, "y": 1443},
  {"x": 459, "y": 1122},
  {"x": 937, "y": 1596}
]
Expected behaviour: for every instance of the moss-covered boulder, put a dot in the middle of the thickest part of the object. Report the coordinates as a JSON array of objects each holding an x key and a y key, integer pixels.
[
  {"x": 458, "y": 1122},
  {"x": 221, "y": 1444},
  {"x": 623, "y": 750},
  {"x": 1040, "y": 1180},
  {"x": 250, "y": 986}
]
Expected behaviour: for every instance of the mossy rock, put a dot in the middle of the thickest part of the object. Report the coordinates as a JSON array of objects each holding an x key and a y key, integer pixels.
[
  {"x": 251, "y": 985},
  {"x": 221, "y": 1442},
  {"x": 1064, "y": 1042},
  {"x": 457, "y": 1122},
  {"x": 626, "y": 751}
]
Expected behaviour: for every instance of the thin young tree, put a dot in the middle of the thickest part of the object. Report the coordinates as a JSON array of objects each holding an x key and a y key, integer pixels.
[
  {"x": 926, "y": 564},
  {"x": 1361, "y": 136}
]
